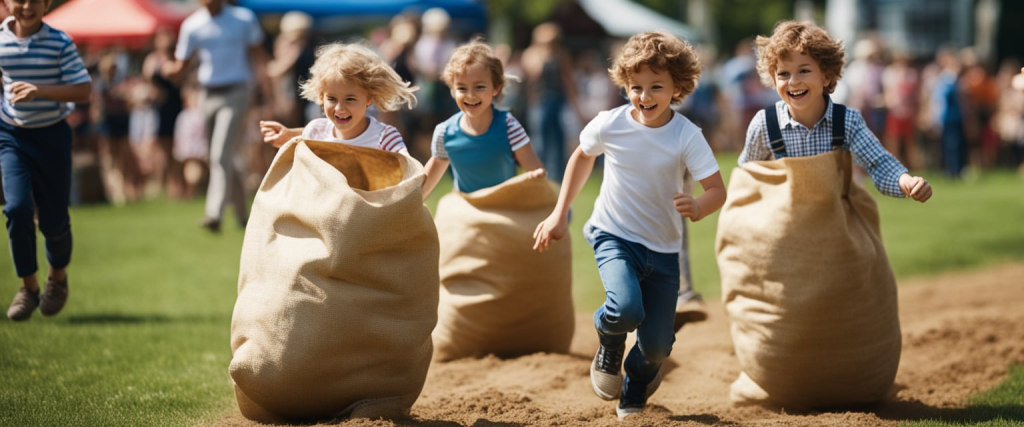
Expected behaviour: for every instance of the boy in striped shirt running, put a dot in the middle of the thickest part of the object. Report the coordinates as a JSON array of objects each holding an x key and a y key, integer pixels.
[{"x": 42, "y": 76}]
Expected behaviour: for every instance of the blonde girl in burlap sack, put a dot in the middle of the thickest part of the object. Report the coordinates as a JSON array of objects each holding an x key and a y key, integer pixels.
[
  {"x": 345, "y": 81},
  {"x": 337, "y": 288},
  {"x": 497, "y": 296},
  {"x": 635, "y": 229},
  {"x": 805, "y": 278}
]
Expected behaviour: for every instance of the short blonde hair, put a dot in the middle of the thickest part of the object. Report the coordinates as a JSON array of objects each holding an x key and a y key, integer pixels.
[
  {"x": 360, "y": 65},
  {"x": 791, "y": 37},
  {"x": 661, "y": 52},
  {"x": 476, "y": 52}
]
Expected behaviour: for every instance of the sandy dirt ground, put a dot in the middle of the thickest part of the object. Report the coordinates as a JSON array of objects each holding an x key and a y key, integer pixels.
[{"x": 960, "y": 334}]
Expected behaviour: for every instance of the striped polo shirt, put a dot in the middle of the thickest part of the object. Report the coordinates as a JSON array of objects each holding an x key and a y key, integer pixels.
[{"x": 48, "y": 57}]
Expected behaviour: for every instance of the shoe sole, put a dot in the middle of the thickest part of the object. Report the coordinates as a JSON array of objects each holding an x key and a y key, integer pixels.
[
  {"x": 623, "y": 413},
  {"x": 597, "y": 390}
]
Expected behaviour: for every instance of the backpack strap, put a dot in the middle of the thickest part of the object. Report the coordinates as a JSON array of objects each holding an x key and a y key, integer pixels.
[
  {"x": 838, "y": 125},
  {"x": 775, "y": 141}
]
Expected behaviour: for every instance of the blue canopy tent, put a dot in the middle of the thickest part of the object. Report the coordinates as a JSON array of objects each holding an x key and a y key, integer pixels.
[{"x": 468, "y": 16}]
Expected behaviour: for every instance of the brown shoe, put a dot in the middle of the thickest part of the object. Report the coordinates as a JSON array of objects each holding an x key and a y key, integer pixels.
[
  {"x": 210, "y": 224},
  {"x": 25, "y": 302},
  {"x": 689, "y": 309},
  {"x": 54, "y": 297}
]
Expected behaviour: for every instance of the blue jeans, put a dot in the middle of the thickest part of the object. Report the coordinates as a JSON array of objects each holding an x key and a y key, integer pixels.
[
  {"x": 36, "y": 165},
  {"x": 640, "y": 288}
]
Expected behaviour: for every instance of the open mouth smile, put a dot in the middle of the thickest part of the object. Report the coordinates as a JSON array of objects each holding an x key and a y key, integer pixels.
[{"x": 648, "y": 108}]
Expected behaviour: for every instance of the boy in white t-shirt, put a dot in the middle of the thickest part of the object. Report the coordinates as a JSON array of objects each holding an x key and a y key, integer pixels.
[
  {"x": 345, "y": 80},
  {"x": 635, "y": 229}
]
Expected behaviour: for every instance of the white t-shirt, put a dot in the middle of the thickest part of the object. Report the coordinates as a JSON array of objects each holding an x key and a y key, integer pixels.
[
  {"x": 222, "y": 43},
  {"x": 377, "y": 135},
  {"x": 643, "y": 169}
]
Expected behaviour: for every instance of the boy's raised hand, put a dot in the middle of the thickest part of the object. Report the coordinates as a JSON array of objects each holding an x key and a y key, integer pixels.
[
  {"x": 686, "y": 206},
  {"x": 915, "y": 187},
  {"x": 552, "y": 228}
]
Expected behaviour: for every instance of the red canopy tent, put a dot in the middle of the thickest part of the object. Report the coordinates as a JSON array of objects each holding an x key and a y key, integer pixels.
[{"x": 130, "y": 23}]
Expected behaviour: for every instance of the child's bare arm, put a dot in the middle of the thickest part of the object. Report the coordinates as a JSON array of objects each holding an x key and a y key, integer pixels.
[
  {"x": 529, "y": 161},
  {"x": 915, "y": 187},
  {"x": 24, "y": 91},
  {"x": 557, "y": 224},
  {"x": 434, "y": 169},
  {"x": 709, "y": 202},
  {"x": 276, "y": 134}
]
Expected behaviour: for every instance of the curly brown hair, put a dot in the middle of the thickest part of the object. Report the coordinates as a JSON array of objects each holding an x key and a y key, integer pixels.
[
  {"x": 476, "y": 52},
  {"x": 790, "y": 37},
  {"x": 358, "y": 64},
  {"x": 660, "y": 51}
]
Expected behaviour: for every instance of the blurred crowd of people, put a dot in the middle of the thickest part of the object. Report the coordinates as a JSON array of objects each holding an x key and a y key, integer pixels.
[{"x": 143, "y": 132}]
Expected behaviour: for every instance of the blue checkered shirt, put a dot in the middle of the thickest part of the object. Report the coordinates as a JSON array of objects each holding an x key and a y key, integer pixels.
[{"x": 867, "y": 151}]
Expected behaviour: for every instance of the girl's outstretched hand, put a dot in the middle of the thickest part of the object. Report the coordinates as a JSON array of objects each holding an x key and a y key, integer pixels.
[
  {"x": 552, "y": 228},
  {"x": 275, "y": 133}
]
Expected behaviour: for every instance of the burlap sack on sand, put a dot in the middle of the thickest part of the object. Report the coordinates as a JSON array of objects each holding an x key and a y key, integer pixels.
[
  {"x": 337, "y": 289},
  {"x": 807, "y": 285},
  {"x": 498, "y": 295}
]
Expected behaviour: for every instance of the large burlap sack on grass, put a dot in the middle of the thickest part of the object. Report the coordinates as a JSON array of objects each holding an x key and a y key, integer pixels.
[
  {"x": 498, "y": 295},
  {"x": 337, "y": 289},
  {"x": 807, "y": 285}
]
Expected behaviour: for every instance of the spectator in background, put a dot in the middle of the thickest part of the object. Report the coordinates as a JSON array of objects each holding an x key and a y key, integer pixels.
[
  {"x": 431, "y": 52},
  {"x": 226, "y": 42},
  {"x": 191, "y": 146},
  {"x": 112, "y": 114},
  {"x": 901, "y": 84},
  {"x": 864, "y": 78},
  {"x": 979, "y": 88},
  {"x": 168, "y": 104},
  {"x": 947, "y": 100},
  {"x": 550, "y": 86},
  {"x": 294, "y": 53}
]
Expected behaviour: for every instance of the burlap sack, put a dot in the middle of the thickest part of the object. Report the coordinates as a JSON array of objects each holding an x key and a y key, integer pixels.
[
  {"x": 337, "y": 289},
  {"x": 807, "y": 285},
  {"x": 498, "y": 295}
]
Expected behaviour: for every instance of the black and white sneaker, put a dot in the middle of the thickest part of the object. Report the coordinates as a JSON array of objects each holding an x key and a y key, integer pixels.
[{"x": 606, "y": 372}]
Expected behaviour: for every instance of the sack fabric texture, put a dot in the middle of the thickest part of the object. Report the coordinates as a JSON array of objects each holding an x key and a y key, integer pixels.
[
  {"x": 337, "y": 289},
  {"x": 807, "y": 285},
  {"x": 498, "y": 295}
]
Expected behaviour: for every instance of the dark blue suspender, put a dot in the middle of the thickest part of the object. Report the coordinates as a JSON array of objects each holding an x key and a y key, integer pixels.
[{"x": 778, "y": 145}]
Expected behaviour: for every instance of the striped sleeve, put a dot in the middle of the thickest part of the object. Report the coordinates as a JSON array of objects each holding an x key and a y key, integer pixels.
[
  {"x": 391, "y": 140},
  {"x": 72, "y": 69},
  {"x": 517, "y": 137}
]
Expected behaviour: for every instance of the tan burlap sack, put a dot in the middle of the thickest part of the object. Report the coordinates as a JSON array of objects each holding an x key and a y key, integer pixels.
[
  {"x": 807, "y": 285},
  {"x": 337, "y": 289},
  {"x": 498, "y": 295}
]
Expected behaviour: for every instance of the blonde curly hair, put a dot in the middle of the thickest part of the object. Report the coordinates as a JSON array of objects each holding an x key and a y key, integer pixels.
[
  {"x": 660, "y": 51},
  {"x": 790, "y": 37},
  {"x": 357, "y": 64},
  {"x": 476, "y": 52}
]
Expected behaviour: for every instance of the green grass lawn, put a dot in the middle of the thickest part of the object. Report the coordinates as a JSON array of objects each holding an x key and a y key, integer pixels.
[{"x": 144, "y": 339}]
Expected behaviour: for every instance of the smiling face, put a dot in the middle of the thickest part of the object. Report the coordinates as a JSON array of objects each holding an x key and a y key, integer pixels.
[
  {"x": 801, "y": 83},
  {"x": 345, "y": 105},
  {"x": 28, "y": 14},
  {"x": 651, "y": 93},
  {"x": 474, "y": 90}
]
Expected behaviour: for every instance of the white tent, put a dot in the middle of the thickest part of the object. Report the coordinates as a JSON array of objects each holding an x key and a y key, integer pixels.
[{"x": 623, "y": 18}]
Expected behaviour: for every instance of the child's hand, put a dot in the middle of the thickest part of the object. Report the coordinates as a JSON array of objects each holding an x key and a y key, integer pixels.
[
  {"x": 554, "y": 227},
  {"x": 274, "y": 133},
  {"x": 22, "y": 91},
  {"x": 537, "y": 173},
  {"x": 686, "y": 206},
  {"x": 915, "y": 187}
]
